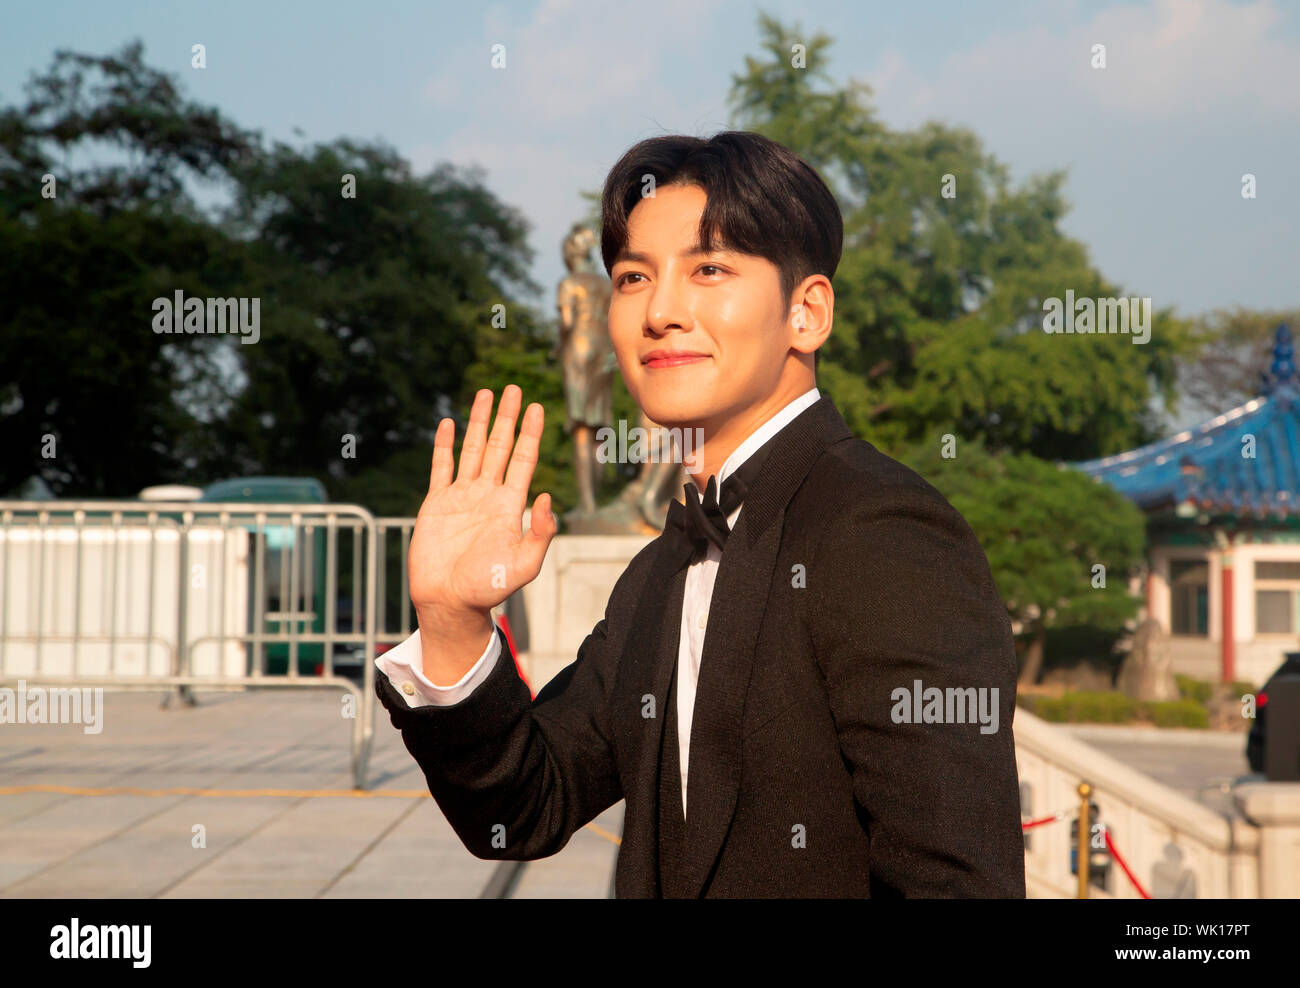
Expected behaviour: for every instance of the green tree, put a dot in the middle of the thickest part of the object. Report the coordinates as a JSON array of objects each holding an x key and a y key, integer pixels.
[
  {"x": 939, "y": 299},
  {"x": 377, "y": 312},
  {"x": 939, "y": 330},
  {"x": 1237, "y": 345},
  {"x": 78, "y": 272},
  {"x": 374, "y": 310}
]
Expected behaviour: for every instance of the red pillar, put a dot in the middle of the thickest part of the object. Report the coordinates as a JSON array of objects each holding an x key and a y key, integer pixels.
[
  {"x": 1151, "y": 589},
  {"x": 1227, "y": 645}
]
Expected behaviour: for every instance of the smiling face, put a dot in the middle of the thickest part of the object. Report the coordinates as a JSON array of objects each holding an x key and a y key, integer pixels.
[{"x": 726, "y": 306}]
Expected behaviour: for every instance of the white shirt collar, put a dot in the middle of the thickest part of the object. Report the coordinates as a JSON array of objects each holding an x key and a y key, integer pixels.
[{"x": 765, "y": 432}]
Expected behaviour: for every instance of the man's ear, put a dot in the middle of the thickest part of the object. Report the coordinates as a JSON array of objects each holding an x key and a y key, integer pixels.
[{"x": 811, "y": 312}]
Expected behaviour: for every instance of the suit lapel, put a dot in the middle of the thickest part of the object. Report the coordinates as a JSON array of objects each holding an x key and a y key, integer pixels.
[
  {"x": 645, "y": 668},
  {"x": 735, "y": 613}
]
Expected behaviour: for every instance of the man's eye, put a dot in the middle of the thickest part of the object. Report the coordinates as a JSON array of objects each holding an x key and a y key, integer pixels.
[
  {"x": 631, "y": 274},
  {"x": 713, "y": 266}
]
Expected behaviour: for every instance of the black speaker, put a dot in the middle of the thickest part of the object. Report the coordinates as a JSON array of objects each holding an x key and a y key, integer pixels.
[{"x": 1282, "y": 733}]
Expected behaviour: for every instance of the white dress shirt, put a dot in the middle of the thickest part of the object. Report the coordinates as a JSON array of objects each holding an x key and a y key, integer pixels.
[{"x": 404, "y": 663}]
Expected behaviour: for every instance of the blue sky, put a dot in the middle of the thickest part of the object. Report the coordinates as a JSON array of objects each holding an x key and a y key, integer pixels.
[{"x": 1195, "y": 93}]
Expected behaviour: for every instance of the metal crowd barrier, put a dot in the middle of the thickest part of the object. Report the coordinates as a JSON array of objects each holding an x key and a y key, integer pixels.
[
  {"x": 394, "y": 537},
  {"x": 142, "y": 595}
]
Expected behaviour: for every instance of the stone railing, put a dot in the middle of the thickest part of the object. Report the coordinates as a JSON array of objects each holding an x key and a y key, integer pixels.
[{"x": 1175, "y": 846}]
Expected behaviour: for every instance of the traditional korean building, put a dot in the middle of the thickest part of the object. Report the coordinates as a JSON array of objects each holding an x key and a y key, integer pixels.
[{"x": 1222, "y": 502}]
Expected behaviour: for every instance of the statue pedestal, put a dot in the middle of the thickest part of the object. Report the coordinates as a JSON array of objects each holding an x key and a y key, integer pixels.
[
  {"x": 632, "y": 513},
  {"x": 560, "y": 608}
]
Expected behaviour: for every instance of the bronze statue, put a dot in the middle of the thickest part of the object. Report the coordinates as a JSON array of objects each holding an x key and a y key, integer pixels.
[
  {"x": 587, "y": 356},
  {"x": 588, "y": 359}
]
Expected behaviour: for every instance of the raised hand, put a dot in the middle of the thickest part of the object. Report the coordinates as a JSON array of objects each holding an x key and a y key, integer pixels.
[{"x": 467, "y": 551}]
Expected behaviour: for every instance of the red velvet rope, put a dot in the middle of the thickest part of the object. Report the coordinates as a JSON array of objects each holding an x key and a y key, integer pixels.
[
  {"x": 1047, "y": 819},
  {"x": 1114, "y": 853},
  {"x": 1110, "y": 846}
]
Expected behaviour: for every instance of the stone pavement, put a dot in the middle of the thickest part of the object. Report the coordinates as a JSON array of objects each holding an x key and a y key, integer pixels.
[
  {"x": 260, "y": 845},
  {"x": 1194, "y": 762},
  {"x": 324, "y": 842}
]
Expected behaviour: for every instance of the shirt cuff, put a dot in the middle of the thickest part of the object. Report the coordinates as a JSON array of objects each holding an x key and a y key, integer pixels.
[{"x": 403, "y": 664}]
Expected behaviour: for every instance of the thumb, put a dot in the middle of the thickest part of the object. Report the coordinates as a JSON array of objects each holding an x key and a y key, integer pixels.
[{"x": 542, "y": 527}]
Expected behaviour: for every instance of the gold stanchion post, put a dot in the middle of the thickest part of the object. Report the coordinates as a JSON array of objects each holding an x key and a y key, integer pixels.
[{"x": 1082, "y": 854}]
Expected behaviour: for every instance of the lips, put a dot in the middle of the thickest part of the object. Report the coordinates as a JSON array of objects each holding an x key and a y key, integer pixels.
[{"x": 672, "y": 358}]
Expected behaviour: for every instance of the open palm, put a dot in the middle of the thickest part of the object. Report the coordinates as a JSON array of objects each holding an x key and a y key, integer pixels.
[{"x": 467, "y": 552}]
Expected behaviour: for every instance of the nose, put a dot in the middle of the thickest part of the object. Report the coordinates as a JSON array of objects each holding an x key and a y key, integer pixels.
[{"x": 667, "y": 308}]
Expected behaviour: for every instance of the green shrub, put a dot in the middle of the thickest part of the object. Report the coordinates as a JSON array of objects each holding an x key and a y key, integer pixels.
[
  {"x": 1086, "y": 708},
  {"x": 1176, "y": 713},
  {"x": 1115, "y": 708},
  {"x": 1193, "y": 689}
]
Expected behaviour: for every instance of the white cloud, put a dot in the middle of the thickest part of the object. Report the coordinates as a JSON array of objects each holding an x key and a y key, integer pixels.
[
  {"x": 1168, "y": 61},
  {"x": 567, "y": 63},
  {"x": 577, "y": 77}
]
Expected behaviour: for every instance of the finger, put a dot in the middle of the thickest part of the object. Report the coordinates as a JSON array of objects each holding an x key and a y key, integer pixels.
[
  {"x": 542, "y": 527},
  {"x": 471, "y": 450},
  {"x": 537, "y": 518},
  {"x": 503, "y": 433},
  {"x": 524, "y": 458},
  {"x": 444, "y": 442}
]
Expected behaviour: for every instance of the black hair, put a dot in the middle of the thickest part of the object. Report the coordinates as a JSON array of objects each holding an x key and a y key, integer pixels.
[{"x": 763, "y": 200}]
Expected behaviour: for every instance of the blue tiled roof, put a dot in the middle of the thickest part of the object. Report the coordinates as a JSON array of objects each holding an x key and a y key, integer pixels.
[{"x": 1205, "y": 465}]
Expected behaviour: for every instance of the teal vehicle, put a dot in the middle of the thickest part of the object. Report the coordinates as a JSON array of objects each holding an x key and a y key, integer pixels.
[{"x": 280, "y": 616}]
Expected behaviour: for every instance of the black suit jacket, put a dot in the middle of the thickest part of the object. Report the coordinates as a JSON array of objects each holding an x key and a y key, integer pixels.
[{"x": 846, "y": 577}]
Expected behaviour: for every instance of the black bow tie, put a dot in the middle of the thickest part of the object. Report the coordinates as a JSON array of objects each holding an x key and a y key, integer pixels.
[{"x": 700, "y": 522}]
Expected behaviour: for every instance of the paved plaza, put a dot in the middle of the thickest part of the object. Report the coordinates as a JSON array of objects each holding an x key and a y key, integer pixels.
[{"x": 283, "y": 821}]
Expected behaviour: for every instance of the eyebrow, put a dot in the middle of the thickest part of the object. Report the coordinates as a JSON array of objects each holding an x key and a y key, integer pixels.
[{"x": 694, "y": 250}]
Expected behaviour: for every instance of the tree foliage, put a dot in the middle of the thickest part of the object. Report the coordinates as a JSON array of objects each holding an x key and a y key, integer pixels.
[
  {"x": 939, "y": 301},
  {"x": 373, "y": 309},
  {"x": 84, "y": 377},
  {"x": 1236, "y": 347},
  {"x": 939, "y": 330}
]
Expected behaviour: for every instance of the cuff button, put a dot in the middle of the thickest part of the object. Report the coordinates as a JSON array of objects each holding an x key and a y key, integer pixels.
[{"x": 408, "y": 688}]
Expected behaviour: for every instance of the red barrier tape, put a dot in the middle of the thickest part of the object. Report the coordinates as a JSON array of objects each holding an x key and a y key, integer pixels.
[
  {"x": 1114, "y": 853},
  {"x": 510, "y": 640},
  {"x": 1110, "y": 846},
  {"x": 1047, "y": 819}
]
